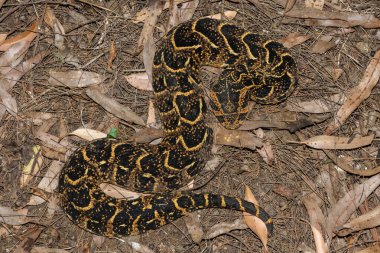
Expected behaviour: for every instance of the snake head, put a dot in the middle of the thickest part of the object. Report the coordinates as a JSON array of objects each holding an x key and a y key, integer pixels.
[{"x": 229, "y": 98}]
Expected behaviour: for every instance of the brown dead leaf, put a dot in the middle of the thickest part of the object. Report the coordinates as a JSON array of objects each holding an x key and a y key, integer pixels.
[
  {"x": 346, "y": 206},
  {"x": 339, "y": 19},
  {"x": 236, "y": 138},
  {"x": 146, "y": 41},
  {"x": 59, "y": 31},
  {"x": 112, "y": 106},
  {"x": 31, "y": 236},
  {"x": 323, "y": 105},
  {"x": 139, "y": 81},
  {"x": 335, "y": 142},
  {"x": 194, "y": 227},
  {"x": 294, "y": 39},
  {"x": 224, "y": 228},
  {"x": 34, "y": 166},
  {"x": 227, "y": 14},
  {"x": 253, "y": 222},
  {"x": 323, "y": 44},
  {"x": 358, "y": 94},
  {"x": 3, "y": 36},
  {"x": 12, "y": 217},
  {"x": 372, "y": 249},
  {"x": 151, "y": 120},
  {"x": 6, "y": 100},
  {"x": 317, "y": 220},
  {"x": 364, "y": 221},
  {"x": 75, "y": 78},
  {"x": 289, "y": 5},
  {"x": 28, "y": 36},
  {"x": 112, "y": 55},
  {"x": 88, "y": 134},
  {"x": 37, "y": 249},
  {"x": 119, "y": 192},
  {"x": 317, "y": 4}
]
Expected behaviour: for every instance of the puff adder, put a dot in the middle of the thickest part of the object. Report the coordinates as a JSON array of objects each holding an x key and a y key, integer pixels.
[{"x": 254, "y": 68}]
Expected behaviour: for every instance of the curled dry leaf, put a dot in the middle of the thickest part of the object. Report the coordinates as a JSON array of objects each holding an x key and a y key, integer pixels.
[
  {"x": 224, "y": 228},
  {"x": 194, "y": 226},
  {"x": 139, "y": 81},
  {"x": 226, "y": 14},
  {"x": 346, "y": 206},
  {"x": 112, "y": 106},
  {"x": 334, "y": 142},
  {"x": 59, "y": 31},
  {"x": 28, "y": 35},
  {"x": 118, "y": 192},
  {"x": 6, "y": 100},
  {"x": 151, "y": 120},
  {"x": 88, "y": 134},
  {"x": 140, "y": 248},
  {"x": 323, "y": 105},
  {"x": 364, "y": 221},
  {"x": 254, "y": 223},
  {"x": 3, "y": 36},
  {"x": 323, "y": 44},
  {"x": 358, "y": 94},
  {"x": 294, "y": 39},
  {"x": 75, "y": 78},
  {"x": 13, "y": 218},
  {"x": 236, "y": 138},
  {"x": 33, "y": 167}
]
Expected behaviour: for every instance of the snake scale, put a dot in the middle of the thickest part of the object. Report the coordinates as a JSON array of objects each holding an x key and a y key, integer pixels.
[{"x": 254, "y": 68}]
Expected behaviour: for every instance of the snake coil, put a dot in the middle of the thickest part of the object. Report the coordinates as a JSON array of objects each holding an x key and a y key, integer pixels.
[{"x": 254, "y": 68}]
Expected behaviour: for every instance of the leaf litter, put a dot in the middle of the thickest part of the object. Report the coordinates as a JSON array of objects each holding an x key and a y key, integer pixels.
[{"x": 63, "y": 81}]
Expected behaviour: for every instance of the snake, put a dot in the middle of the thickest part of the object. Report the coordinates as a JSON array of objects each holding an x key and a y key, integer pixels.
[{"x": 254, "y": 68}]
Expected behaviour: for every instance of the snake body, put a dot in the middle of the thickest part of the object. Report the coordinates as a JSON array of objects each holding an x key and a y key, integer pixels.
[{"x": 254, "y": 68}]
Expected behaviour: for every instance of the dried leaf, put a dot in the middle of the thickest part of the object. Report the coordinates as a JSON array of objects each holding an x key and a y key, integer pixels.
[
  {"x": 289, "y": 5},
  {"x": 236, "y": 138},
  {"x": 317, "y": 220},
  {"x": 50, "y": 180},
  {"x": 294, "y": 39},
  {"x": 254, "y": 223},
  {"x": 6, "y": 100},
  {"x": 118, "y": 192},
  {"x": 194, "y": 226},
  {"x": 27, "y": 36},
  {"x": 88, "y": 134},
  {"x": 224, "y": 228},
  {"x": 322, "y": 105},
  {"x": 358, "y": 94},
  {"x": 339, "y": 19},
  {"x": 75, "y": 78},
  {"x": 346, "y": 206},
  {"x": 3, "y": 36},
  {"x": 323, "y": 44},
  {"x": 139, "y": 81},
  {"x": 151, "y": 120},
  {"x": 47, "y": 250},
  {"x": 113, "y": 106},
  {"x": 227, "y": 14},
  {"x": 27, "y": 243},
  {"x": 33, "y": 167},
  {"x": 112, "y": 55},
  {"x": 334, "y": 142},
  {"x": 364, "y": 221},
  {"x": 317, "y": 4},
  {"x": 59, "y": 31},
  {"x": 372, "y": 249},
  {"x": 13, "y": 218}
]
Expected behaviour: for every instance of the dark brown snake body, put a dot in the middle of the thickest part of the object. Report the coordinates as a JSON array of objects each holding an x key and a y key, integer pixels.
[{"x": 255, "y": 68}]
